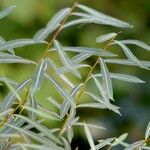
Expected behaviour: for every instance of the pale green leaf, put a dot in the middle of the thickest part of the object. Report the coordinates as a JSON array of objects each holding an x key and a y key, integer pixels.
[
  {"x": 136, "y": 42},
  {"x": 6, "y": 58},
  {"x": 102, "y": 18},
  {"x": 106, "y": 79},
  {"x": 123, "y": 77},
  {"x": 126, "y": 62},
  {"x": 105, "y": 37},
  {"x": 135, "y": 145},
  {"x": 89, "y": 137},
  {"x": 5, "y": 113},
  {"x": 65, "y": 59},
  {"x": 11, "y": 97},
  {"x": 89, "y": 50},
  {"x": 130, "y": 55},
  {"x": 103, "y": 143},
  {"x": 6, "y": 11},
  {"x": 60, "y": 89},
  {"x": 38, "y": 76},
  {"x": 18, "y": 43},
  {"x": 120, "y": 139},
  {"x": 147, "y": 133}
]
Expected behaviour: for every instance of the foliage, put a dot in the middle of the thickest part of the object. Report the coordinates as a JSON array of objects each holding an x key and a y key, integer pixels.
[{"x": 22, "y": 117}]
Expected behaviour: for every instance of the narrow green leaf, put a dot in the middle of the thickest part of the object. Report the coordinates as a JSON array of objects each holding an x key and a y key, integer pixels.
[
  {"x": 6, "y": 11},
  {"x": 105, "y": 37},
  {"x": 80, "y": 57},
  {"x": 92, "y": 105},
  {"x": 11, "y": 88},
  {"x": 103, "y": 143},
  {"x": 52, "y": 25},
  {"x": 67, "y": 145},
  {"x": 10, "y": 98},
  {"x": 106, "y": 79},
  {"x": 2, "y": 43},
  {"x": 135, "y": 145},
  {"x": 31, "y": 135},
  {"x": 101, "y": 90},
  {"x": 59, "y": 88},
  {"x": 70, "y": 133},
  {"x": 78, "y": 21},
  {"x": 5, "y": 113},
  {"x": 126, "y": 62},
  {"x": 104, "y": 19},
  {"x": 89, "y": 50},
  {"x": 42, "y": 114},
  {"x": 89, "y": 125},
  {"x": 89, "y": 137},
  {"x": 33, "y": 146},
  {"x": 40, "y": 127},
  {"x": 130, "y": 55},
  {"x": 136, "y": 42},
  {"x": 18, "y": 43},
  {"x": 65, "y": 59},
  {"x": 123, "y": 77},
  {"x": 38, "y": 76},
  {"x": 120, "y": 139},
  {"x": 8, "y": 58},
  {"x": 54, "y": 102},
  {"x": 147, "y": 132}
]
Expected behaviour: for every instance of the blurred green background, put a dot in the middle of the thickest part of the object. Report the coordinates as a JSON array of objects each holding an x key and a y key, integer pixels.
[{"x": 134, "y": 99}]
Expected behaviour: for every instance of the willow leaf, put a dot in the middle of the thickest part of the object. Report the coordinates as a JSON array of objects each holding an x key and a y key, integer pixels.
[
  {"x": 89, "y": 50},
  {"x": 76, "y": 89},
  {"x": 70, "y": 134},
  {"x": 130, "y": 55},
  {"x": 65, "y": 69},
  {"x": 64, "y": 108},
  {"x": 101, "y": 90},
  {"x": 105, "y": 37},
  {"x": 2, "y": 42},
  {"x": 78, "y": 21},
  {"x": 54, "y": 102},
  {"x": 10, "y": 98},
  {"x": 135, "y": 145},
  {"x": 104, "y": 19},
  {"x": 92, "y": 105},
  {"x": 34, "y": 136},
  {"x": 52, "y": 25},
  {"x": 67, "y": 145},
  {"x": 120, "y": 139},
  {"x": 38, "y": 76},
  {"x": 42, "y": 114},
  {"x": 5, "y": 113},
  {"x": 126, "y": 62},
  {"x": 106, "y": 79},
  {"x": 32, "y": 146},
  {"x": 80, "y": 57},
  {"x": 89, "y": 125},
  {"x": 59, "y": 88},
  {"x": 123, "y": 77},
  {"x": 40, "y": 127},
  {"x": 59, "y": 17},
  {"x": 136, "y": 42},
  {"x": 65, "y": 59},
  {"x": 89, "y": 137},
  {"x": 18, "y": 43},
  {"x": 6, "y": 11},
  {"x": 147, "y": 133},
  {"x": 9, "y": 58},
  {"x": 62, "y": 76},
  {"x": 103, "y": 143}
]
